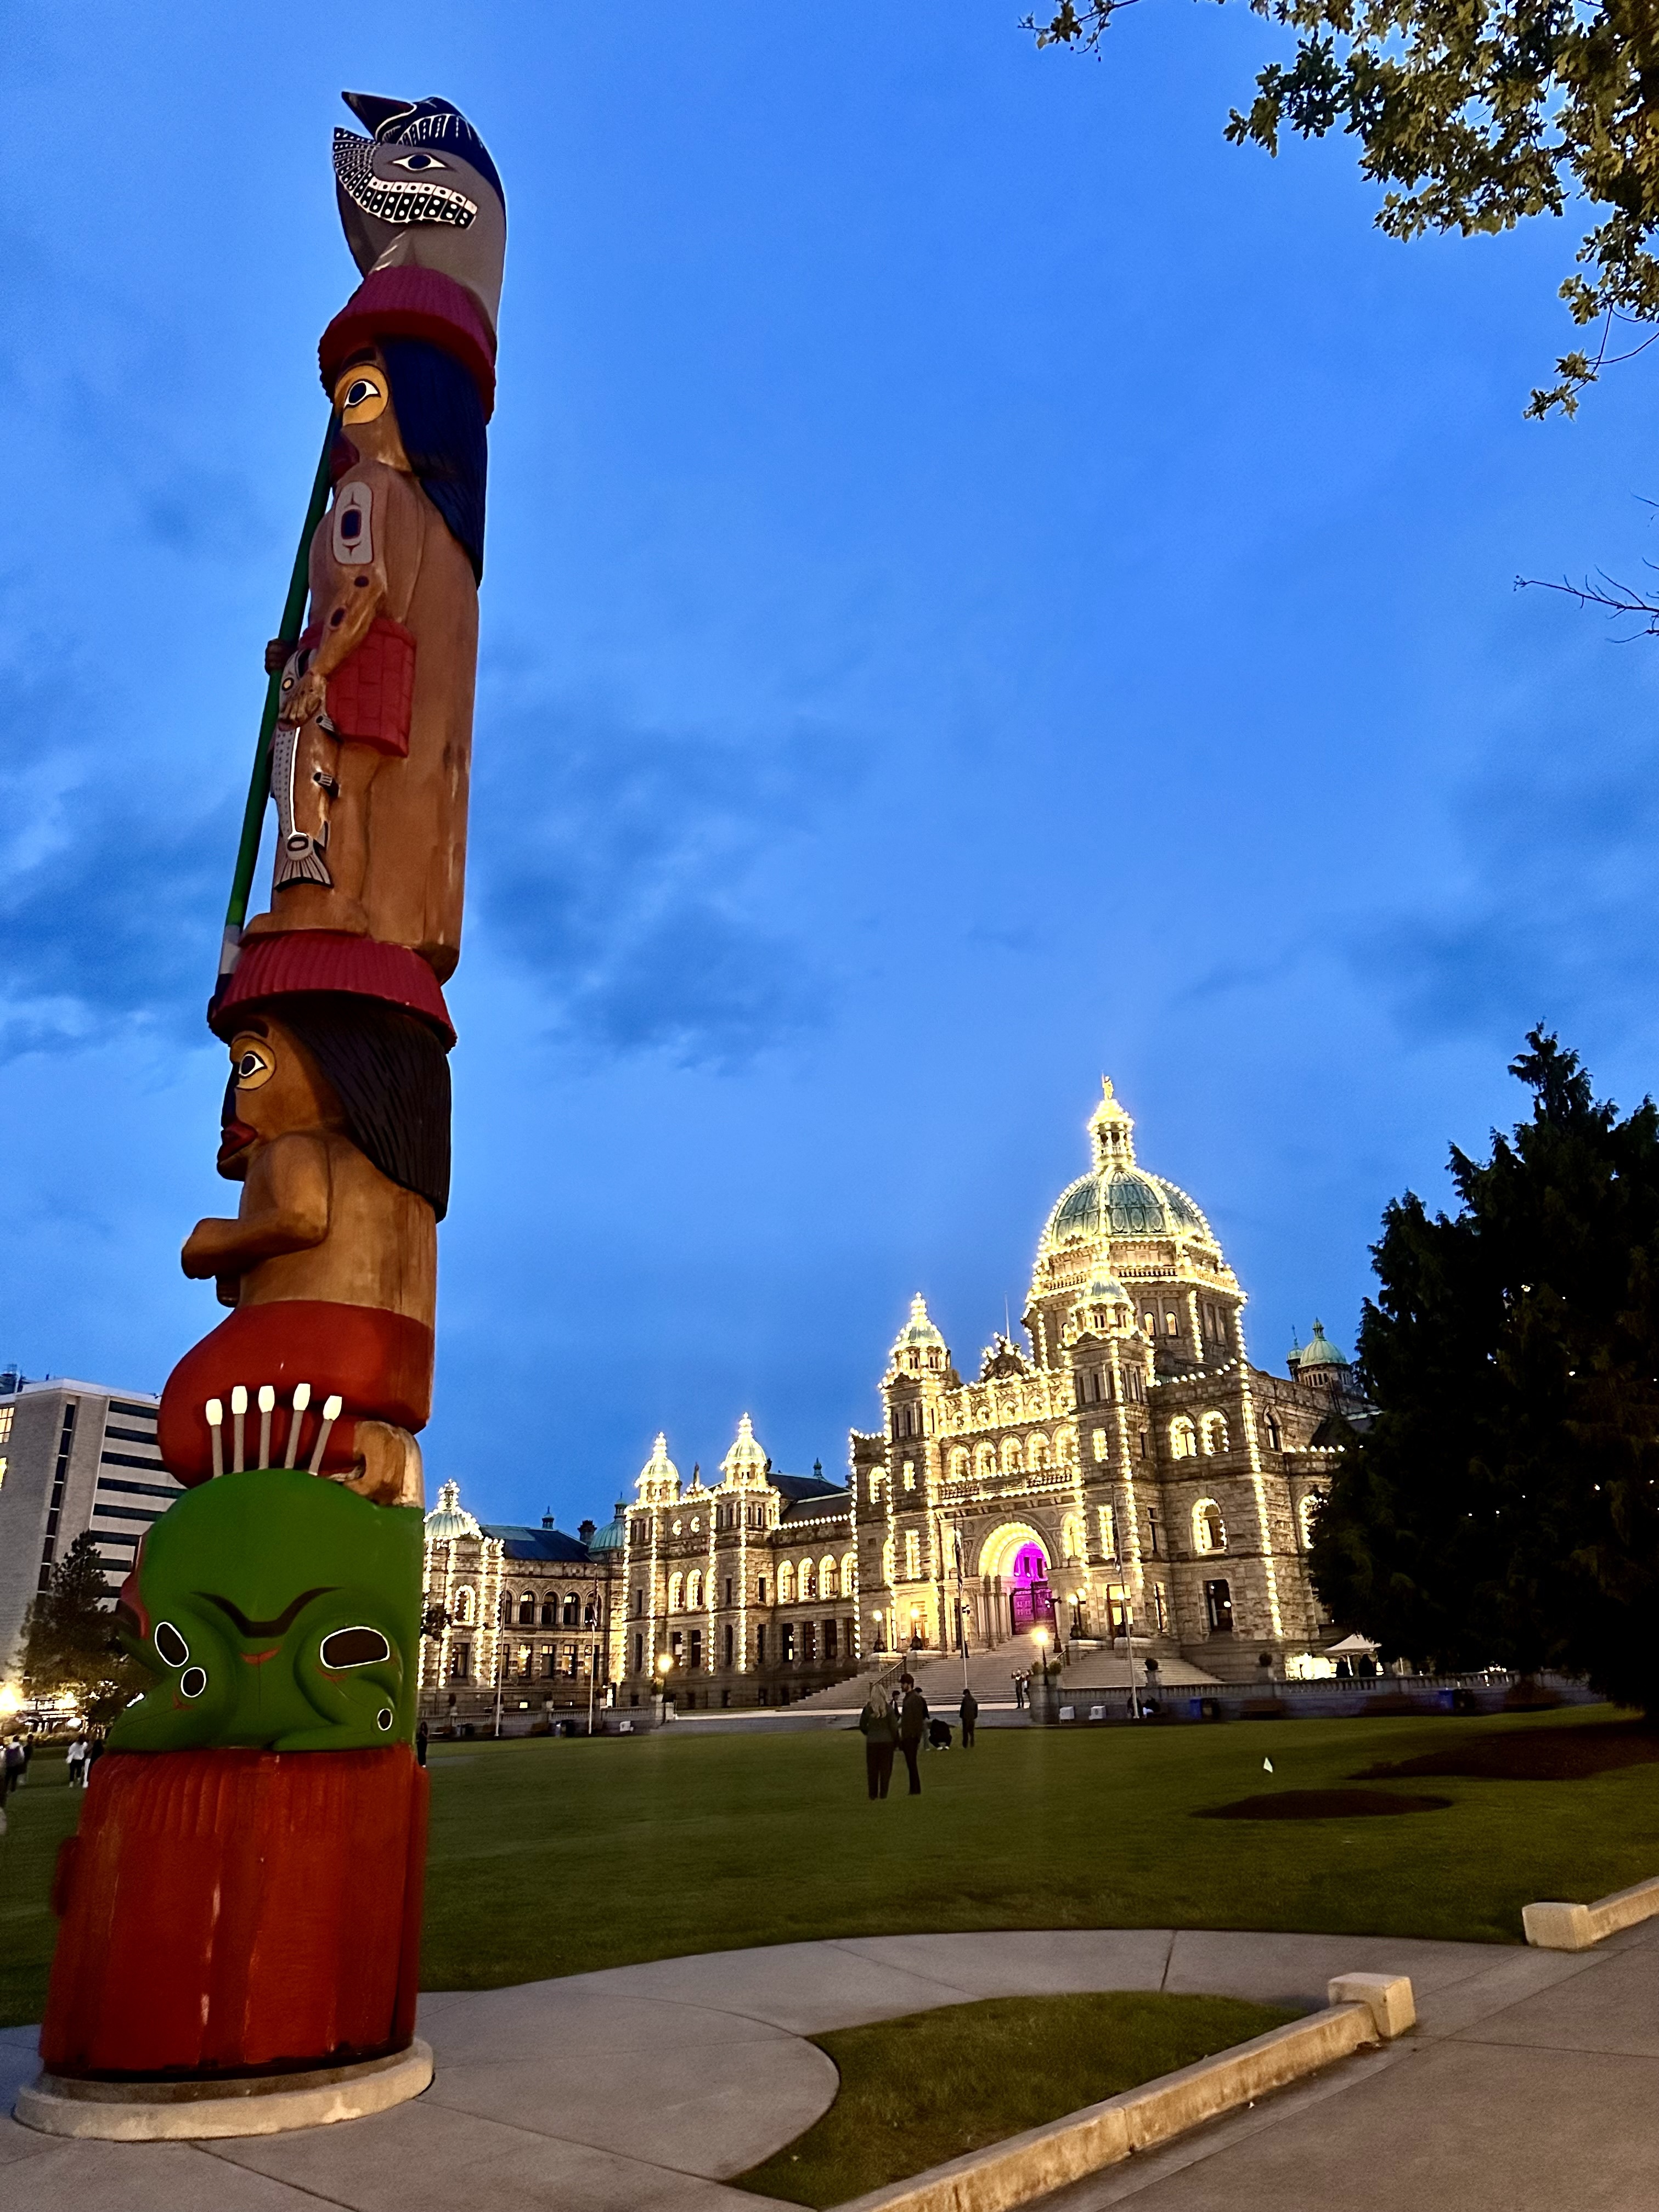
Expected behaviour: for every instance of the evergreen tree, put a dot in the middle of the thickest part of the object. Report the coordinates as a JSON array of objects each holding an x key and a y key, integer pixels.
[
  {"x": 1504, "y": 1506},
  {"x": 69, "y": 1639}
]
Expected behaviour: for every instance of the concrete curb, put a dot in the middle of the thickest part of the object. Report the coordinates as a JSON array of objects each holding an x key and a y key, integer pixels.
[
  {"x": 1065, "y": 2150},
  {"x": 1553, "y": 1927},
  {"x": 190, "y": 2112}
]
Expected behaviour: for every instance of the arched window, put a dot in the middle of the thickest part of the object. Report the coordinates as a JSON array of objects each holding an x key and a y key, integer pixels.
[
  {"x": 1307, "y": 1511},
  {"x": 828, "y": 1586},
  {"x": 959, "y": 1464},
  {"x": 849, "y": 1575},
  {"x": 1073, "y": 1541},
  {"x": 693, "y": 1592},
  {"x": 1066, "y": 1447},
  {"x": 1213, "y": 1429},
  {"x": 573, "y": 1605},
  {"x": 1184, "y": 1438},
  {"x": 1209, "y": 1529},
  {"x": 806, "y": 1579},
  {"x": 675, "y": 1589},
  {"x": 527, "y": 1609},
  {"x": 1011, "y": 1456},
  {"x": 465, "y": 1604},
  {"x": 1275, "y": 1436},
  {"x": 549, "y": 1612},
  {"x": 785, "y": 1584},
  {"x": 985, "y": 1460},
  {"x": 1037, "y": 1455},
  {"x": 875, "y": 1485}
]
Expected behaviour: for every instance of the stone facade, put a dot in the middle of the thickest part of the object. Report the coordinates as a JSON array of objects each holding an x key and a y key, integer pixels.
[{"x": 1126, "y": 1471}]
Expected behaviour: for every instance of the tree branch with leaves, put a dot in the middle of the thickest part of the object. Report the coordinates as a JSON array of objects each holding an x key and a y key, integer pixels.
[{"x": 1474, "y": 116}]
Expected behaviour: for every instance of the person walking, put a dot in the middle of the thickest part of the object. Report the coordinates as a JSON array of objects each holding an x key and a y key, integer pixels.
[
  {"x": 422, "y": 1734},
  {"x": 913, "y": 1727},
  {"x": 13, "y": 1766},
  {"x": 880, "y": 1725},
  {"x": 969, "y": 1709},
  {"x": 75, "y": 1760},
  {"x": 1019, "y": 1693}
]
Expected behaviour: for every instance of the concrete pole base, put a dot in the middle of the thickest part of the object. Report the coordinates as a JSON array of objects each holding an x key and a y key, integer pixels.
[{"x": 196, "y": 2112}]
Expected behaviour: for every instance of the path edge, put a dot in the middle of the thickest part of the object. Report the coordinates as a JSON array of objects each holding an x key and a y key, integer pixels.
[{"x": 1061, "y": 2151}]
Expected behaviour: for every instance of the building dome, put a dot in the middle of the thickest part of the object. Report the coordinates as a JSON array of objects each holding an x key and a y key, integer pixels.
[
  {"x": 746, "y": 1460},
  {"x": 658, "y": 1478},
  {"x": 1103, "y": 1287},
  {"x": 613, "y": 1537},
  {"x": 919, "y": 1332},
  {"x": 1117, "y": 1197},
  {"x": 1320, "y": 1352},
  {"x": 449, "y": 1519}
]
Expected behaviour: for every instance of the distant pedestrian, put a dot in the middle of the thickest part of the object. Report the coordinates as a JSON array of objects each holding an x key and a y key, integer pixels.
[
  {"x": 13, "y": 1766},
  {"x": 969, "y": 1709},
  {"x": 880, "y": 1725},
  {"x": 421, "y": 1738},
  {"x": 94, "y": 1753},
  {"x": 75, "y": 1760},
  {"x": 913, "y": 1727},
  {"x": 1019, "y": 1693}
]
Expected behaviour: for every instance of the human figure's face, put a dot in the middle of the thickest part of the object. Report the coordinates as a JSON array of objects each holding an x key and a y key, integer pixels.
[{"x": 362, "y": 398}]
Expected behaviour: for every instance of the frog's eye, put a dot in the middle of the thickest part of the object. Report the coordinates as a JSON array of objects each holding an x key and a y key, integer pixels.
[
  {"x": 192, "y": 1682},
  {"x": 251, "y": 1064},
  {"x": 170, "y": 1645},
  {"x": 419, "y": 161},
  {"x": 361, "y": 395},
  {"x": 354, "y": 1647}
]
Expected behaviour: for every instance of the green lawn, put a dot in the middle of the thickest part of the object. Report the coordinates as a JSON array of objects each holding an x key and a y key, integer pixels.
[
  {"x": 918, "y": 2090},
  {"x": 552, "y": 1857}
]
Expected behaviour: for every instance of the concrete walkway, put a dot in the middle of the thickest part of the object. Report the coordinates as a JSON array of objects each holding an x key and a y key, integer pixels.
[{"x": 1531, "y": 2084}]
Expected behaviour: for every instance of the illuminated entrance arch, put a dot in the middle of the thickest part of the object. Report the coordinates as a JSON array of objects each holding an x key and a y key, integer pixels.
[{"x": 1019, "y": 1555}]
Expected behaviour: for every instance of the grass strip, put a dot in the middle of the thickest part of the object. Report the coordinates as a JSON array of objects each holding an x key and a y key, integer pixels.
[{"x": 936, "y": 2085}]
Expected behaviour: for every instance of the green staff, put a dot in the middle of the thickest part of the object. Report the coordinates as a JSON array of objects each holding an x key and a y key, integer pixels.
[{"x": 259, "y": 789}]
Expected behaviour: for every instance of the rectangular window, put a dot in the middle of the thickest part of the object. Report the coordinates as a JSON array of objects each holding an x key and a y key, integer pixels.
[
  {"x": 828, "y": 1639},
  {"x": 912, "y": 1556},
  {"x": 1218, "y": 1606},
  {"x": 1161, "y": 1608},
  {"x": 760, "y": 1651},
  {"x": 730, "y": 1643},
  {"x": 550, "y": 1664},
  {"x": 460, "y": 1662},
  {"x": 910, "y": 1474},
  {"x": 677, "y": 1646},
  {"x": 697, "y": 1651},
  {"x": 1108, "y": 1533},
  {"x": 809, "y": 1639},
  {"x": 1151, "y": 1531},
  {"x": 571, "y": 1661},
  {"x": 639, "y": 1653},
  {"x": 1100, "y": 1447},
  {"x": 788, "y": 1633},
  {"x": 760, "y": 1587},
  {"x": 728, "y": 1589}
]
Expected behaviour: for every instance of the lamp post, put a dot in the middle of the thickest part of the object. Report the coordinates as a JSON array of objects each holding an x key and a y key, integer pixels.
[
  {"x": 877, "y": 1616},
  {"x": 1039, "y": 1638},
  {"x": 665, "y": 1669},
  {"x": 1129, "y": 1641},
  {"x": 915, "y": 1615},
  {"x": 598, "y": 1604}
]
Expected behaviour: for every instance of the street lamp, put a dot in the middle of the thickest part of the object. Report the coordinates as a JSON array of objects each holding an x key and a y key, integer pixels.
[
  {"x": 915, "y": 1615},
  {"x": 1039, "y": 1638}
]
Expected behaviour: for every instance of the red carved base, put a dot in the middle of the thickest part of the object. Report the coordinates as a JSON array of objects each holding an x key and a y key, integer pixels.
[{"x": 239, "y": 1911}]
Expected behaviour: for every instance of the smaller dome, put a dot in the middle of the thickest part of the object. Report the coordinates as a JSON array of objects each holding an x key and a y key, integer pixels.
[
  {"x": 1320, "y": 1352},
  {"x": 919, "y": 1329},
  {"x": 613, "y": 1537},
  {"x": 660, "y": 1476},
  {"x": 746, "y": 1460},
  {"x": 1103, "y": 1286},
  {"x": 449, "y": 1519}
]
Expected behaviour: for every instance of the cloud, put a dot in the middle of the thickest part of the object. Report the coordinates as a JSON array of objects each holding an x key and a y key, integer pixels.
[
  {"x": 1554, "y": 914},
  {"x": 650, "y": 881}
]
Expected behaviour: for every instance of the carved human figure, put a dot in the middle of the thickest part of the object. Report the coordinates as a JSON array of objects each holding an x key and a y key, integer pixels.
[
  {"x": 335, "y": 1124},
  {"x": 372, "y": 748}
]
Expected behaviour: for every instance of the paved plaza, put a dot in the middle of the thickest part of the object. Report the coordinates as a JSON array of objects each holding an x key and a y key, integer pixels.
[{"x": 1531, "y": 2082}]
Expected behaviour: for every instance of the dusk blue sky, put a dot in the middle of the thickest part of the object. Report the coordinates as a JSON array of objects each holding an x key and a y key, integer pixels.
[{"x": 986, "y": 583}]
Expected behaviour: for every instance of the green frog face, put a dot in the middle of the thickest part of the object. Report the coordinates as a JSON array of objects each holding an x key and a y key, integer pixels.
[{"x": 277, "y": 1611}]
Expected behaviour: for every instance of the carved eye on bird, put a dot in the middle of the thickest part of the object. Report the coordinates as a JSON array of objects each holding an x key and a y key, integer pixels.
[
  {"x": 361, "y": 395},
  {"x": 252, "y": 1063},
  {"x": 419, "y": 161}
]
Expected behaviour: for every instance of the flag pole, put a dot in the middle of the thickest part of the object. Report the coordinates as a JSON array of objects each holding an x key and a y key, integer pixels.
[{"x": 259, "y": 789}]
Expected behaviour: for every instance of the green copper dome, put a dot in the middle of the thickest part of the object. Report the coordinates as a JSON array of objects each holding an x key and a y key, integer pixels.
[{"x": 1116, "y": 1201}]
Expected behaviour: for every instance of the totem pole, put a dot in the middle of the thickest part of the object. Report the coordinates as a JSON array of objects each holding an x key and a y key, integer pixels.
[{"x": 244, "y": 1897}]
